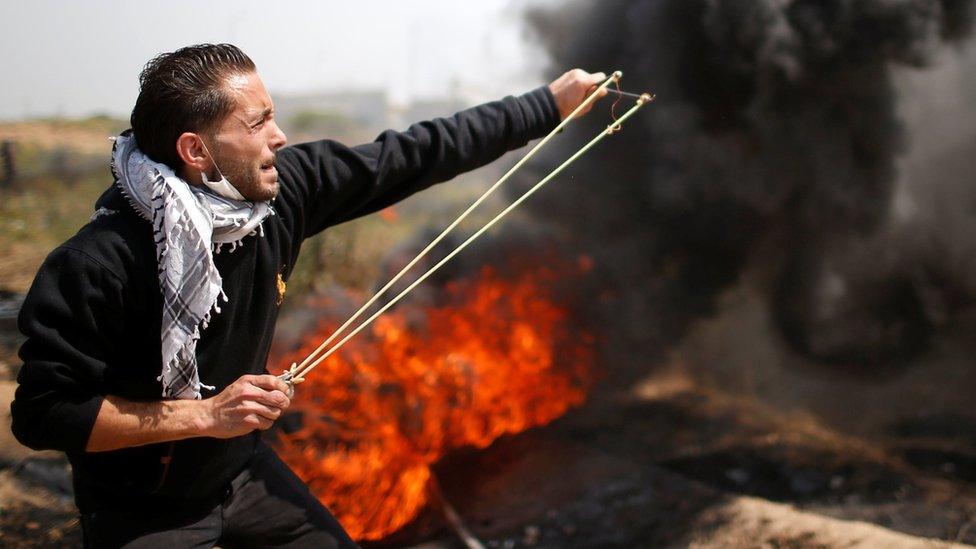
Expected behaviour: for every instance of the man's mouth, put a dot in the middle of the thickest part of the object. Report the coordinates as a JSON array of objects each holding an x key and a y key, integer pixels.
[{"x": 268, "y": 166}]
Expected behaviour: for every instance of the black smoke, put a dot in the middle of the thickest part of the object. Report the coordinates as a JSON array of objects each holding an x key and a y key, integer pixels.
[{"x": 772, "y": 146}]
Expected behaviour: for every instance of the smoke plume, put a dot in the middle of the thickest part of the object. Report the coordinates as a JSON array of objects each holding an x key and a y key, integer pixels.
[{"x": 774, "y": 144}]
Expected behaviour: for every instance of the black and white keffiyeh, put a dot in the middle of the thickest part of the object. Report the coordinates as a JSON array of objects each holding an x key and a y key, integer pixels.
[{"x": 190, "y": 223}]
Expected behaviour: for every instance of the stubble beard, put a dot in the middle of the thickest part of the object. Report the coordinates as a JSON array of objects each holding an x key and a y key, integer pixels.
[{"x": 246, "y": 178}]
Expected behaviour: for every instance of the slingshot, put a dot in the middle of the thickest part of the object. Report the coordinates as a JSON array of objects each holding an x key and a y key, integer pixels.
[{"x": 297, "y": 372}]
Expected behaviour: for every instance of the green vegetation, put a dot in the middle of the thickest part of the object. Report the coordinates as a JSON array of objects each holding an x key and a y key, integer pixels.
[{"x": 51, "y": 196}]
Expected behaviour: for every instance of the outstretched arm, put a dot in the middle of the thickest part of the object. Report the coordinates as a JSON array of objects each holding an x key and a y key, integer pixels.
[{"x": 329, "y": 183}]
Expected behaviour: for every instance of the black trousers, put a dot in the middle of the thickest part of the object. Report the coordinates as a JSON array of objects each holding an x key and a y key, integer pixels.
[{"x": 266, "y": 506}]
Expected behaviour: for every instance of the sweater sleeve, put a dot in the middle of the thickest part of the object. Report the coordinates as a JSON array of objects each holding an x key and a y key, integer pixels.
[
  {"x": 71, "y": 316},
  {"x": 333, "y": 183}
]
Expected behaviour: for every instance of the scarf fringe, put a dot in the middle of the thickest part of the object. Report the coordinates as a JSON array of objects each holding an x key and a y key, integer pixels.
[{"x": 187, "y": 354}]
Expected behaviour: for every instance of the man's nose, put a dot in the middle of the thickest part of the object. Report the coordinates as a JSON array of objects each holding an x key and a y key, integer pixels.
[{"x": 279, "y": 139}]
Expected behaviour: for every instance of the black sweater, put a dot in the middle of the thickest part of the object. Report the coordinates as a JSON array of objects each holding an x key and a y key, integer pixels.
[{"x": 92, "y": 316}]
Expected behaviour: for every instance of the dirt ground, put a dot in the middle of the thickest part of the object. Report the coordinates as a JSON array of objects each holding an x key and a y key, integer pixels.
[{"x": 714, "y": 449}]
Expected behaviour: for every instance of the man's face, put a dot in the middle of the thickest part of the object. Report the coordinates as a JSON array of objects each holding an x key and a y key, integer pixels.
[{"x": 245, "y": 143}]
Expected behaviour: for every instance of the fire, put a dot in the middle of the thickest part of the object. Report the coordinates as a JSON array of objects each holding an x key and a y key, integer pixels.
[
  {"x": 389, "y": 214},
  {"x": 497, "y": 358}
]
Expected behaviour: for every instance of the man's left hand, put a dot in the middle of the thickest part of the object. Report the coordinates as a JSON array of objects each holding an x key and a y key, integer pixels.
[{"x": 573, "y": 87}]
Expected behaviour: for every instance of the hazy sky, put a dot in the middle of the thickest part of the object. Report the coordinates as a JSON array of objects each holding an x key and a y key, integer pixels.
[{"x": 78, "y": 58}]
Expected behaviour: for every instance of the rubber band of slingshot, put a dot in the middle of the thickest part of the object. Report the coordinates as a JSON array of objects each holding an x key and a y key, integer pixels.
[
  {"x": 613, "y": 107},
  {"x": 295, "y": 373},
  {"x": 615, "y": 78}
]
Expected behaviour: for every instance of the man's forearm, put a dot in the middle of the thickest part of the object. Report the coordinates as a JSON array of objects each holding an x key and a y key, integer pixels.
[
  {"x": 252, "y": 402},
  {"x": 124, "y": 423}
]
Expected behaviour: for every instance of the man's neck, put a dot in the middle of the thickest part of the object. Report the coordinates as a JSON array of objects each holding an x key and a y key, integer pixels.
[{"x": 193, "y": 177}]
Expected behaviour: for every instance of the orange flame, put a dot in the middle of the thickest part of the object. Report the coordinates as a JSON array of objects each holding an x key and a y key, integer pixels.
[
  {"x": 498, "y": 360},
  {"x": 389, "y": 214}
]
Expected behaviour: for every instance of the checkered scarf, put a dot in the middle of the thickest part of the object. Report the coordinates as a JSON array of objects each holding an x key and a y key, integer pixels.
[{"x": 190, "y": 223}]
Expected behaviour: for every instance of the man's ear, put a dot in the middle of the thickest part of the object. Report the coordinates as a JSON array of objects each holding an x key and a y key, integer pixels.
[{"x": 191, "y": 150}]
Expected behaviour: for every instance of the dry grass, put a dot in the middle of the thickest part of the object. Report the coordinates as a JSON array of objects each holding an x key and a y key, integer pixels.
[{"x": 86, "y": 137}]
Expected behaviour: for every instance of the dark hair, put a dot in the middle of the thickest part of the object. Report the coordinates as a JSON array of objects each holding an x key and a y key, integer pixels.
[{"x": 183, "y": 91}]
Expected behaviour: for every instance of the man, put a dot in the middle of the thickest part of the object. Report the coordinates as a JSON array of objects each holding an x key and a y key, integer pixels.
[{"x": 173, "y": 289}]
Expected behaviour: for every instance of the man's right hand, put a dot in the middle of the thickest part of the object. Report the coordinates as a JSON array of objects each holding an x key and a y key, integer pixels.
[{"x": 252, "y": 402}]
